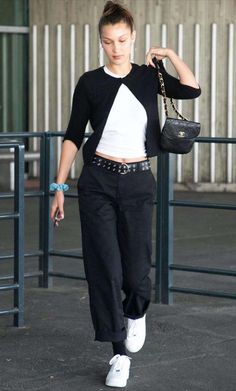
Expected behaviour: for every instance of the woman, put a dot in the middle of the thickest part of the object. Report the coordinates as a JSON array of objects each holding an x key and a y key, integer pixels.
[{"x": 116, "y": 187}]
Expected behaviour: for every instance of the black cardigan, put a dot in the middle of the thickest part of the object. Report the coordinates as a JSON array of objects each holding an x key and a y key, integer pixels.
[{"x": 95, "y": 93}]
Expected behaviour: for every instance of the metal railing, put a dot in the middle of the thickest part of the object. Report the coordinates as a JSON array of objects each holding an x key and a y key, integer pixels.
[
  {"x": 164, "y": 265},
  {"x": 45, "y": 250},
  {"x": 17, "y": 279}
]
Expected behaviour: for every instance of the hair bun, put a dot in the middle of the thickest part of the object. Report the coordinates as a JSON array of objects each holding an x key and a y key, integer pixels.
[
  {"x": 114, "y": 12},
  {"x": 111, "y": 7}
]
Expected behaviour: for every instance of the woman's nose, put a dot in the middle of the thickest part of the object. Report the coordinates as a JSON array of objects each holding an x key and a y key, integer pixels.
[{"x": 115, "y": 47}]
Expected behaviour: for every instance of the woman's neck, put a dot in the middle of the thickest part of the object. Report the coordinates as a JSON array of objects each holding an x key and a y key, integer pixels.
[{"x": 122, "y": 69}]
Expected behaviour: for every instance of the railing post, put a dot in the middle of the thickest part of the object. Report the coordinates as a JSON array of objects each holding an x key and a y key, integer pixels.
[
  {"x": 47, "y": 162},
  {"x": 19, "y": 235},
  {"x": 164, "y": 229}
]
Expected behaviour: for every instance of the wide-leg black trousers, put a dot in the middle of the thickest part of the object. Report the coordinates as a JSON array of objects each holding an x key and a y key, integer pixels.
[{"x": 116, "y": 223}]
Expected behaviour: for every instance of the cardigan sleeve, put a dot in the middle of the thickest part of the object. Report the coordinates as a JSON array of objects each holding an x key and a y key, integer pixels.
[
  {"x": 80, "y": 114},
  {"x": 175, "y": 89}
]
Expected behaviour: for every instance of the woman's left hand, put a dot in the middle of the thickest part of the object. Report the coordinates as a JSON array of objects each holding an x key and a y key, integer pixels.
[
  {"x": 159, "y": 53},
  {"x": 185, "y": 74}
]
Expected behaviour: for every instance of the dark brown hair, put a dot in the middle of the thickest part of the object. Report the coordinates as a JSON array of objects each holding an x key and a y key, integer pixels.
[{"x": 113, "y": 13}]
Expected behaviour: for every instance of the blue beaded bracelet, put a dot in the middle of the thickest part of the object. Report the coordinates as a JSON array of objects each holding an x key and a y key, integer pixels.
[{"x": 58, "y": 187}]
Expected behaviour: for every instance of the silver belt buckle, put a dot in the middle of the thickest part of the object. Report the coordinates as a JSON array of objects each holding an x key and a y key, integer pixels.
[{"x": 124, "y": 165}]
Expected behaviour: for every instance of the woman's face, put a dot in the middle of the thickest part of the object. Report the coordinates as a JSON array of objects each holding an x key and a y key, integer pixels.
[{"x": 117, "y": 41}]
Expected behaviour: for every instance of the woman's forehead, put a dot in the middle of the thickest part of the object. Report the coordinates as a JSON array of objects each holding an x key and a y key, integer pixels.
[{"x": 115, "y": 30}]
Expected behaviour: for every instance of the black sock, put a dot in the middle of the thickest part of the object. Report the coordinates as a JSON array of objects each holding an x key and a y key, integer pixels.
[{"x": 119, "y": 348}]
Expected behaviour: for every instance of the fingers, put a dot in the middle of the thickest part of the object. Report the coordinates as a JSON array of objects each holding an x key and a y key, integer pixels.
[
  {"x": 57, "y": 209},
  {"x": 159, "y": 53},
  {"x": 58, "y": 217},
  {"x": 150, "y": 54},
  {"x": 53, "y": 210},
  {"x": 149, "y": 60}
]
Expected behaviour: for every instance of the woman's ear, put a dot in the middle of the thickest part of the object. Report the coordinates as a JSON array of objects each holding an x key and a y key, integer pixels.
[{"x": 133, "y": 36}]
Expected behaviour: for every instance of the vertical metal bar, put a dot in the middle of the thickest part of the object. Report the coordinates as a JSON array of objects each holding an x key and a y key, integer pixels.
[
  {"x": 180, "y": 53},
  {"x": 159, "y": 241},
  {"x": 35, "y": 93},
  {"x": 46, "y": 78},
  {"x": 12, "y": 173},
  {"x": 47, "y": 163},
  {"x": 19, "y": 236},
  {"x": 48, "y": 226},
  {"x": 42, "y": 282},
  {"x": 15, "y": 85},
  {"x": 59, "y": 88},
  {"x": 213, "y": 100},
  {"x": 168, "y": 236},
  {"x": 230, "y": 101},
  {"x": 196, "y": 101},
  {"x": 164, "y": 231},
  {"x": 72, "y": 76}
]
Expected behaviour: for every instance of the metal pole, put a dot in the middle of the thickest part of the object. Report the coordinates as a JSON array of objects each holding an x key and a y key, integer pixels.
[
  {"x": 19, "y": 236},
  {"x": 164, "y": 241},
  {"x": 47, "y": 164}
]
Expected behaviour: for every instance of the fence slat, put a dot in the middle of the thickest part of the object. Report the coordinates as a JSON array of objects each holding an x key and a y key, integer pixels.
[
  {"x": 35, "y": 92},
  {"x": 180, "y": 105},
  {"x": 213, "y": 100},
  {"x": 230, "y": 101},
  {"x": 164, "y": 45},
  {"x": 196, "y": 101},
  {"x": 86, "y": 47},
  {"x": 72, "y": 76},
  {"x": 46, "y": 78},
  {"x": 59, "y": 88}
]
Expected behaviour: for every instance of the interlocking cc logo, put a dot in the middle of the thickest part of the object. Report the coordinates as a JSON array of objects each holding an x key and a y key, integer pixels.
[{"x": 181, "y": 133}]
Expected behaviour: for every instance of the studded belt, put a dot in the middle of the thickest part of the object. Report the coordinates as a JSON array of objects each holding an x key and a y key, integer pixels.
[{"x": 120, "y": 168}]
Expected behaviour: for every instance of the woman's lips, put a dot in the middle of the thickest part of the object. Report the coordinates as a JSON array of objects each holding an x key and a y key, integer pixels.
[{"x": 117, "y": 57}]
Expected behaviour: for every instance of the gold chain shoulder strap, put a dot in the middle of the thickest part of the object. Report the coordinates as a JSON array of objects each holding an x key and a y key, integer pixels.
[{"x": 163, "y": 91}]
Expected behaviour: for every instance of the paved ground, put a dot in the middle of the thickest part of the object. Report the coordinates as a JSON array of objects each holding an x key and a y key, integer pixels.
[{"x": 190, "y": 346}]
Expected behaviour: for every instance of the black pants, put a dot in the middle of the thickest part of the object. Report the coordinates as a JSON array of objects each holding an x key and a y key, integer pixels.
[{"x": 116, "y": 221}]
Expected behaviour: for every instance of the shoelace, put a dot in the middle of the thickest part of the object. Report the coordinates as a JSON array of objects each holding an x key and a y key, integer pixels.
[{"x": 118, "y": 362}]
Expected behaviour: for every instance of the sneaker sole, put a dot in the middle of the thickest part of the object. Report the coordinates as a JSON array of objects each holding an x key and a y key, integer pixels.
[{"x": 116, "y": 383}]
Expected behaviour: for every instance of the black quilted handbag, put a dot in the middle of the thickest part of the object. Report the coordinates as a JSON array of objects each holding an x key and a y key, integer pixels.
[{"x": 178, "y": 135}]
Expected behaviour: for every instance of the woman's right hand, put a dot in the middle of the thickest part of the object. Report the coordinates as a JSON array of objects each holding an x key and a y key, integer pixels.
[{"x": 57, "y": 208}]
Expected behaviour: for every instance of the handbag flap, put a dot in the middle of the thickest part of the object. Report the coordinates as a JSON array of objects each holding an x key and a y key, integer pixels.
[{"x": 177, "y": 128}]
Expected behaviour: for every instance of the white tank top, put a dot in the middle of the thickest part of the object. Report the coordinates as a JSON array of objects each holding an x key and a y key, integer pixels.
[{"x": 124, "y": 134}]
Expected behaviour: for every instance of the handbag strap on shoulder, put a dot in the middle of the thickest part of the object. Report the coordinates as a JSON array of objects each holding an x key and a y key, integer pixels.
[{"x": 163, "y": 91}]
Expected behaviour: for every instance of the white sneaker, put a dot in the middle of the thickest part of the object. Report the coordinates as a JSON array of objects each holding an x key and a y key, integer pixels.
[
  {"x": 119, "y": 371},
  {"x": 136, "y": 334}
]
